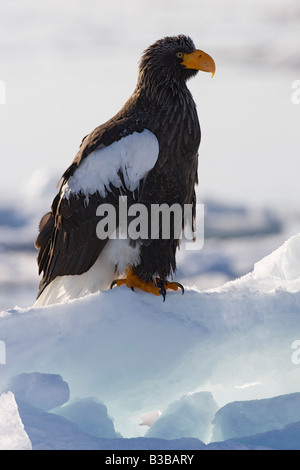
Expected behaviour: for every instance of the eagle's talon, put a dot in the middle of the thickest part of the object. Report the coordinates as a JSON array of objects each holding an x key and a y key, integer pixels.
[
  {"x": 163, "y": 293},
  {"x": 113, "y": 283},
  {"x": 162, "y": 289},
  {"x": 162, "y": 285},
  {"x": 181, "y": 287}
]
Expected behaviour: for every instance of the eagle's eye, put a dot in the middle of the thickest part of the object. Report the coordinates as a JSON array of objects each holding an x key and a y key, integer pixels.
[{"x": 179, "y": 55}]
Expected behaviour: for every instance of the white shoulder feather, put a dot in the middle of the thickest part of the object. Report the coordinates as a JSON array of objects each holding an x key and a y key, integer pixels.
[{"x": 134, "y": 156}]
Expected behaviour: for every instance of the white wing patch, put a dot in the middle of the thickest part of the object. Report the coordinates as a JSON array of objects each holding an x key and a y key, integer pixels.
[{"x": 134, "y": 155}]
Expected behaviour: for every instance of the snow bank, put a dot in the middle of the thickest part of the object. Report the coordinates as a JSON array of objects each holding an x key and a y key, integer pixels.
[
  {"x": 12, "y": 433},
  {"x": 278, "y": 271},
  {"x": 135, "y": 353}
]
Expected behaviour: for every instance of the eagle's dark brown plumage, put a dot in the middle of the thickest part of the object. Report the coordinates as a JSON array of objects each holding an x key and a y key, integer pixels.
[{"x": 162, "y": 104}]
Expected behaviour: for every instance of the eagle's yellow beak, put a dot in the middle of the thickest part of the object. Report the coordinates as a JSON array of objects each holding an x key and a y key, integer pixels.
[{"x": 199, "y": 60}]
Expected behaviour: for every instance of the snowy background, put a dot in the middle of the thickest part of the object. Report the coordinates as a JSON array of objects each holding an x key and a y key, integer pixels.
[{"x": 70, "y": 66}]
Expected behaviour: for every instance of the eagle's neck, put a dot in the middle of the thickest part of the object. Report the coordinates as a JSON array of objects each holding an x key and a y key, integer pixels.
[
  {"x": 166, "y": 107},
  {"x": 160, "y": 89}
]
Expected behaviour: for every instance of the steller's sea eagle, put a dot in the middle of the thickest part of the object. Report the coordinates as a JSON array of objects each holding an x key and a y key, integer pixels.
[{"x": 147, "y": 152}]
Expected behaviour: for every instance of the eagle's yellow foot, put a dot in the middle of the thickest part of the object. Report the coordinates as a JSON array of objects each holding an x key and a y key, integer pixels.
[{"x": 157, "y": 288}]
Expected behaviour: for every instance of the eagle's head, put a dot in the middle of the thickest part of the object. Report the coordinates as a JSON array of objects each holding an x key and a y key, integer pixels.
[{"x": 173, "y": 59}]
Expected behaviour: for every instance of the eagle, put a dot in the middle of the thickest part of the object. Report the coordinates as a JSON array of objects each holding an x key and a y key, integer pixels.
[{"x": 148, "y": 154}]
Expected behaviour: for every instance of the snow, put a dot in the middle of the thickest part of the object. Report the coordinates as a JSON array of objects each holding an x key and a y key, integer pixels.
[
  {"x": 133, "y": 353},
  {"x": 282, "y": 267},
  {"x": 278, "y": 271},
  {"x": 12, "y": 433}
]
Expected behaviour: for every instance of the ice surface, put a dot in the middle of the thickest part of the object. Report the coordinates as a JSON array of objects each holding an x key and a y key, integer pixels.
[
  {"x": 48, "y": 431},
  {"x": 189, "y": 416},
  {"x": 12, "y": 433},
  {"x": 246, "y": 418},
  {"x": 135, "y": 353},
  {"x": 91, "y": 415},
  {"x": 45, "y": 391}
]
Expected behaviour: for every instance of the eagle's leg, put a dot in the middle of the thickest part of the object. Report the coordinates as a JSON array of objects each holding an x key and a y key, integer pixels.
[{"x": 157, "y": 288}]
